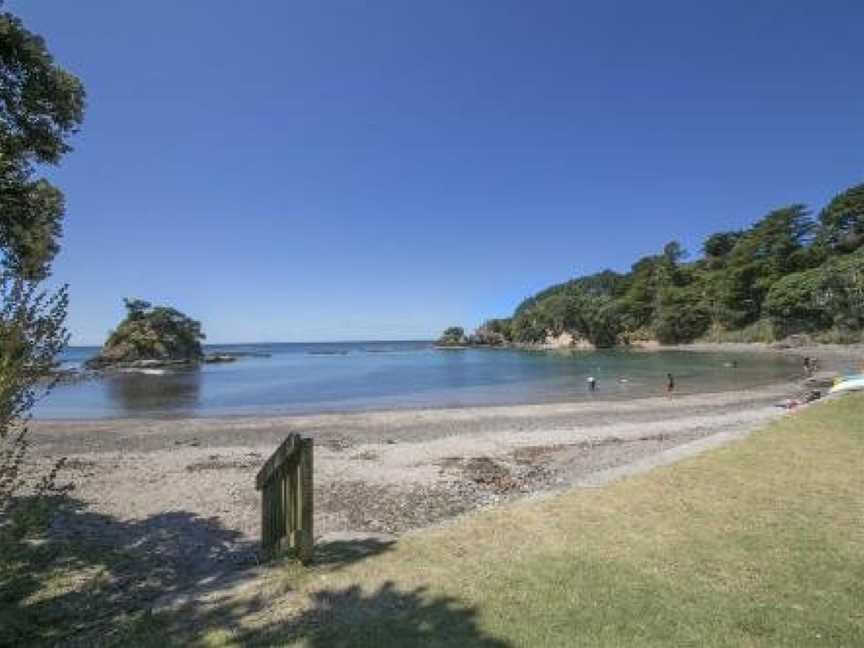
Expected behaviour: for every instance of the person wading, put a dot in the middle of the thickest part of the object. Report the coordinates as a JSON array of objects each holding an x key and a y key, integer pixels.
[{"x": 670, "y": 383}]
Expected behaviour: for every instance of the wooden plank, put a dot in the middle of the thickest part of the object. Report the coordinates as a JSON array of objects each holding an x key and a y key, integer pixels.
[
  {"x": 268, "y": 506},
  {"x": 265, "y": 515},
  {"x": 283, "y": 453},
  {"x": 305, "y": 544},
  {"x": 271, "y": 514},
  {"x": 292, "y": 494},
  {"x": 282, "y": 510},
  {"x": 276, "y": 460},
  {"x": 287, "y": 522}
]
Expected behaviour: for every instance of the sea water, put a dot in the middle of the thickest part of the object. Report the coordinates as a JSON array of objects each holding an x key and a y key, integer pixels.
[{"x": 358, "y": 376}]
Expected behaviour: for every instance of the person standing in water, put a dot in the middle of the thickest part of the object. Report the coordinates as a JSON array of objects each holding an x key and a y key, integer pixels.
[
  {"x": 592, "y": 384},
  {"x": 670, "y": 383}
]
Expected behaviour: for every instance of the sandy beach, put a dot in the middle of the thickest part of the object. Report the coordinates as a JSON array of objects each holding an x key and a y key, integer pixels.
[{"x": 184, "y": 488}]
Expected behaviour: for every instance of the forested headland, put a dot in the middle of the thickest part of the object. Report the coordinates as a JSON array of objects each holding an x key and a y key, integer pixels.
[{"x": 792, "y": 272}]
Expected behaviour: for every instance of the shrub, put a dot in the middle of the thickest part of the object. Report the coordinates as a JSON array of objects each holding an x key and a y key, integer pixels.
[{"x": 453, "y": 336}]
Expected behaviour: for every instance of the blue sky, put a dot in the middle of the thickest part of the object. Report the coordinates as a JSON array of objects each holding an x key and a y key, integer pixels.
[{"x": 370, "y": 170}]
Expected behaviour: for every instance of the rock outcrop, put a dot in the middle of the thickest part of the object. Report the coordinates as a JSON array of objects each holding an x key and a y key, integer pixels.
[{"x": 151, "y": 336}]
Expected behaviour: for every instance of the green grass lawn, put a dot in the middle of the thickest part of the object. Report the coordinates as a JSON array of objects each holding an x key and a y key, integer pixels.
[{"x": 760, "y": 543}]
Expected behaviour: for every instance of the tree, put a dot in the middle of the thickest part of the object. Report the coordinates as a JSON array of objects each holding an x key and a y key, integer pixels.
[
  {"x": 602, "y": 323},
  {"x": 681, "y": 315},
  {"x": 831, "y": 295},
  {"x": 841, "y": 223},
  {"x": 720, "y": 244},
  {"x": 136, "y": 308},
  {"x": 774, "y": 240},
  {"x": 41, "y": 106},
  {"x": 453, "y": 336},
  {"x": 637, "y": 304},
  {"x": 493, "y": 332},
  {"x": 674, "y": 253},
  {"x": 773, "y": 247},
  {"x": 31, "y": 336},
  {"x": 501, "y": 325},
  {"x": 797, "y": 303},
  {"x": 531, "y": 325}
]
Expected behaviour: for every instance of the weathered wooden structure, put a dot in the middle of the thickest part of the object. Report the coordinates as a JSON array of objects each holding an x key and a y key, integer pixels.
[{"x": 285, "y": 482}]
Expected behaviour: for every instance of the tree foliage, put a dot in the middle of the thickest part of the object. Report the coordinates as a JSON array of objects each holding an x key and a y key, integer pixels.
[
  {"x": 41, "y": 105},
  {"x": 453, "y": 336},
  {"x": 841, "y": 223},
  {"x": 493, "y": 332},
  {"x": 31, "y": 336},
  {"x": 831, "y": 295},
  {"x": 789, "y": 270}
]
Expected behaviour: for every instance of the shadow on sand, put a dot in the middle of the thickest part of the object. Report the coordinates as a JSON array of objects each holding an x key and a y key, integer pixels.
[{"x": 72, "y": 577}]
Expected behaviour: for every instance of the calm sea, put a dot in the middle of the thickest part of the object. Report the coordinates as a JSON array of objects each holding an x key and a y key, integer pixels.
[{"x": 307, "y": 378}]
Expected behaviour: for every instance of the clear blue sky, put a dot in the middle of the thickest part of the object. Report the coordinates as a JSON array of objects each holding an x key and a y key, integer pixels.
[{"x": 356, "y": 170}]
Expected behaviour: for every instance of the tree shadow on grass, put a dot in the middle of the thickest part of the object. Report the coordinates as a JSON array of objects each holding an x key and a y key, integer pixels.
[
  {"x": 385, "y": 617},
  {"x": 70, "y": 576},
  {"x": 336, "y": 554}
]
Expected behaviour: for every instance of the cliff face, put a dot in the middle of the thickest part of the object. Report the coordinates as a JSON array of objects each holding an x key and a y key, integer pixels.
[{"x": 151, "y": 336}]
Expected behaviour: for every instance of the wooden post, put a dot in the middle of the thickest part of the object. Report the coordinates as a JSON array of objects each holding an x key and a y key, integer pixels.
[{"x": 285, "y": 481}]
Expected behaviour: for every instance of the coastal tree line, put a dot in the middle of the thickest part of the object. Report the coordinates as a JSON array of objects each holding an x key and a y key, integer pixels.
[{"x": 790, "y": 273}]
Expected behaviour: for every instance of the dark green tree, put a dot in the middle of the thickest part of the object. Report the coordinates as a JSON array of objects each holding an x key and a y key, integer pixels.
[
  {"x": 42, "y": 105},
  {"x": 773, "y": 247},
  {"x": 841, "y": 223},
  {"x": 831, "y": 295},
  {"x": 681, "y": 315},
  {"x": 720, "y": 244},
  {"x": 136, "y": 308},
  {"x": 674, "y": 253},
  {"x": 532, "y": 325}
]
